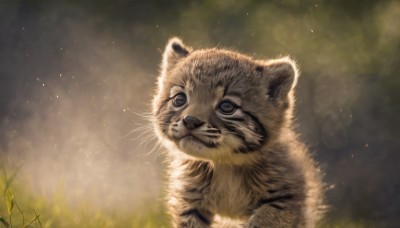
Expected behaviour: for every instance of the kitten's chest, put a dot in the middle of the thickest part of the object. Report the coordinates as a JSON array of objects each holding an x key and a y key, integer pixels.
[{"x": 230, "y": 194}]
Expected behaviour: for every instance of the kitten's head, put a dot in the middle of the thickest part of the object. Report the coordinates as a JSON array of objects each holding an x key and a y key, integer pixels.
[{"x": 220, "y": 105}]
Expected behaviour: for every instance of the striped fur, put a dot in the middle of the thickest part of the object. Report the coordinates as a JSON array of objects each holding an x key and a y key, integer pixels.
[{"x": 241, "y": 165}]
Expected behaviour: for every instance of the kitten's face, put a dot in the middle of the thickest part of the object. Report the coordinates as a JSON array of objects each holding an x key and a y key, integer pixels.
[
  {"x": 210, "y": 121},
  {"x": 217, "y": 105}
]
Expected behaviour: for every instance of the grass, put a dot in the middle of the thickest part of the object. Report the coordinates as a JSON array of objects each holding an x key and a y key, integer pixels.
[{"x": 19, "y": 207}]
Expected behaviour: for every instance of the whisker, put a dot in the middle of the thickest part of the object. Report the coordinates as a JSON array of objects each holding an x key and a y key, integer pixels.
[
  {"x": 206, "y": 134},
  {"x": 148, "y": 131},
  {"x": 134, "y": 131},
  {"x": 155, "y": 148},
  {"x": 142, "y": 114},
  {"x": 213, "y": 131},
  {"x": 254, "y": 137}
]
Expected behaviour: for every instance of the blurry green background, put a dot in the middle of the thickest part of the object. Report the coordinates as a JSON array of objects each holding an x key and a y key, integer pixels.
[{"x": 77, "y": 78}]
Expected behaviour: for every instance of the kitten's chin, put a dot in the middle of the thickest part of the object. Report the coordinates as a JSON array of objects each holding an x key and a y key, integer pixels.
[{"x": 195, "y": 148}]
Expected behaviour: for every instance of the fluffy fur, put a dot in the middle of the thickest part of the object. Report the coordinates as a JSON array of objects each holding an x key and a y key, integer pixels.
[{"x": 225, "y": 120}]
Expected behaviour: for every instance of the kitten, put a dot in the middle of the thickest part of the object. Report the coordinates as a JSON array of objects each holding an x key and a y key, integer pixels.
[{"x": 226, "y": 121}]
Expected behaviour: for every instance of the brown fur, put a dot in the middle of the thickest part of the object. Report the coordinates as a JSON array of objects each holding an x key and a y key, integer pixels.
[{"x": 247, "y": 165}]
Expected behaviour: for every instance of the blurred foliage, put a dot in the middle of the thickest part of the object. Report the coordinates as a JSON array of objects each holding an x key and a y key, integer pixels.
[
  {"x": 348, "y": 94},
  {"x": 35, "y": 210}
]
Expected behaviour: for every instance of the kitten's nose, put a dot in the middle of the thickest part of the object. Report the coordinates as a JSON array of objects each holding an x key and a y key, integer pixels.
[{"x": 191, "y": 122}]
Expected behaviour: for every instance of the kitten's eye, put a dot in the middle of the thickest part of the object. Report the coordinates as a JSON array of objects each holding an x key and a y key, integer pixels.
[
  {"x": 179, "y": 100},
  {"x": 227, "y": 108}
]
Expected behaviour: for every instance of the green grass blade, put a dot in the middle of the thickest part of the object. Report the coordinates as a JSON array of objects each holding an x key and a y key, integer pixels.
[{"x": 9, "y": 201}]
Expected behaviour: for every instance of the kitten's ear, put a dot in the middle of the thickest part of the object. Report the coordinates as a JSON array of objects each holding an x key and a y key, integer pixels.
[
  {"x": 281, "y": 77},
  {"x": 174, "y": 51}
]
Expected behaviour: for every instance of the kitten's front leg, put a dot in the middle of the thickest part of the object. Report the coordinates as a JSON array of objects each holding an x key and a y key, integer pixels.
[
  {"x": 194, "y": 218},
  {"x": 267, "y": 217},
  {"x": 273, "y": 213},
  {"x": 187, "y": 210},
  {"x": 191, "y": 217}
]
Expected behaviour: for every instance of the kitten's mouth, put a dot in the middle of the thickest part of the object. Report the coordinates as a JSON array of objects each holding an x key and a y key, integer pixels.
[{"x": 194, "y": 139}]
